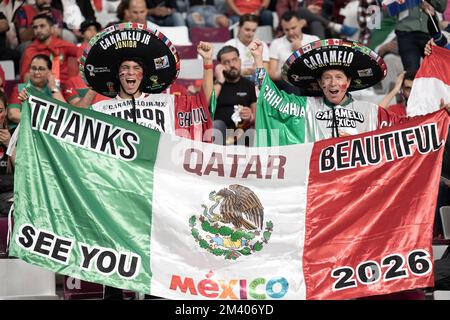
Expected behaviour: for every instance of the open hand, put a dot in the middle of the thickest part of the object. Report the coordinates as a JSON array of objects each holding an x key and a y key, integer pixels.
[{"x": 428, "y": 46}]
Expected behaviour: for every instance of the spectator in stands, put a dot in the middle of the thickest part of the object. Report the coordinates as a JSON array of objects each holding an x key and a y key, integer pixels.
[
  {"x": 248, "y": 23},
  {"x": 24, "y": 22},
  {"x": 5, "y": 52},
  {"x": 403, "y": 86},
  {"x": 256, "y": 7},
  {"x": 75, "y": 87},
  {"x": 72, "y": 14},
  {"x": 41, "y": 78},
  {"x": 130, "y": 74},
  {"x": 45, "y": 43},
  {"x": 236, "y": 98},
  {"x": 323, "y": 117},
  {"x": 282, "y": 48},
  {"x": 136, "y": 12},
  {"x": 88, "y": 29},
  {"x": 203, "y": 13},
  {"x": 412, "y": 32},
  {"x": 6, "y": 162},
  {"x": 311, "y": 11},
  {"x": 164, "y": 13},
  {"x": 122, "y": 13}
]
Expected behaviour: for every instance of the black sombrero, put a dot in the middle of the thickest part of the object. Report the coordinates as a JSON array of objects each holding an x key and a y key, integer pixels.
[
  {"x": 100, "y": 61},
  {"x": 305, "y": 66}
]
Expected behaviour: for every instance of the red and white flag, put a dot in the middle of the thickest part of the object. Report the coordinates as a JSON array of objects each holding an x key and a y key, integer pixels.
[{"x": 432, "y": 83}]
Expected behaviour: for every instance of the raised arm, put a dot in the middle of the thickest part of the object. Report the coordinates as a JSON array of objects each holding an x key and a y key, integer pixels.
[
  {"x": 86, "y": 101},
  {"x": 398, "y": 86},
  {"x": 205, "y": 50}
]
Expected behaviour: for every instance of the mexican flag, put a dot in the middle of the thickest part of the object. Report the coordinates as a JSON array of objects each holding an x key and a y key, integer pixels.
[{"x": 104, "y": 200}]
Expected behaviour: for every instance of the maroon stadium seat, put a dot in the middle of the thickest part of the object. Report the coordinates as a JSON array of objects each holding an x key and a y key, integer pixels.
[
  {"x": 3, "y": 235},
  {"x": 209, "y": 35},
  {"x": 187, "y": 52}
]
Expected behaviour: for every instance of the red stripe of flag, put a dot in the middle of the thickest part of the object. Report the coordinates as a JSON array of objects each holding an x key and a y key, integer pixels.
[
  {"x": 436, "y": 65},
  {"x": 355, "y": 216}
]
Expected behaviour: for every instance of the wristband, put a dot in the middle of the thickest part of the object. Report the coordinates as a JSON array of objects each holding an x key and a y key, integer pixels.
[{"x": 208, "y": 66}]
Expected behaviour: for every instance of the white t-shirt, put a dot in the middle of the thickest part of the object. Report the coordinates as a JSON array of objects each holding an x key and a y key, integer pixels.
[
  {"x": 281, "y": 48},
  {"x": 245, "y": 54},
  {"x": 154, "y": 111}
]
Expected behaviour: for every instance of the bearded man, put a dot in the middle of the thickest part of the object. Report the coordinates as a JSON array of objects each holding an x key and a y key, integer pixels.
[{"x": 236, "y": 96}]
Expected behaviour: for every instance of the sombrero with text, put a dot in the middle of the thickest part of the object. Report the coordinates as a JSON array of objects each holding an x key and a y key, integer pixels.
[
  {"x": 100, "y": 60},
  {"x": 305, "y": 66}
]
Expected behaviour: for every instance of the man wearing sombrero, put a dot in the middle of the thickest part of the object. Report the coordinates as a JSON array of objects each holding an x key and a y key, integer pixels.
[
  {"x": 327, "y": 70},
  {"x": 133, "y": 64}
]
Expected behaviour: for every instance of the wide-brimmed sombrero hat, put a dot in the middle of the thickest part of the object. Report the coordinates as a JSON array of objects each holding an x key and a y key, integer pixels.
[
  {"x": 99, "y": 63},
  {"x": 306, "y": 65}
]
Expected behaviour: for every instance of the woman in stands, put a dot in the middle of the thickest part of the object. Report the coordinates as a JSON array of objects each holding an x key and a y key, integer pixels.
[{"x": 41, "y": 78}]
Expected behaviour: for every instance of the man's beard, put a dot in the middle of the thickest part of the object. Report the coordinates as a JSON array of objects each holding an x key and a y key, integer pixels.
[
  {"x": 231, "y": 76},
  {"x": 42, "y": 38}
]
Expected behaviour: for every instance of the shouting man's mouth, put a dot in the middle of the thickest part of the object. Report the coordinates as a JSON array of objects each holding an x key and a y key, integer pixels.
[{"x": 334, "y": 92}]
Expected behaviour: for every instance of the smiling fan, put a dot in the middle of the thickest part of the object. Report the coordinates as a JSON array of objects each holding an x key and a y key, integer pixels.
[{"x": 99, "y": 64}]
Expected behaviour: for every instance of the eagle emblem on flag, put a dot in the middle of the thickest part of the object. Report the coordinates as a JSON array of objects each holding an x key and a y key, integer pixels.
[{"x": 233, "y": 225}]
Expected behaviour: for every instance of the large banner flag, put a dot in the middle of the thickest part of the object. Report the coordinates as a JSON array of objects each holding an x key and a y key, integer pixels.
[
  {"x": 108, "y": 201},
  {"x": 432, "y": 83}
]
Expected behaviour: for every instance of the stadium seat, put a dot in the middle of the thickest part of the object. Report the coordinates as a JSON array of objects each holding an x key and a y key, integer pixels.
[
  {"x": 3, "y": 235},
  {"x": 75, "y": 289},
  {"x": 21, "y": 280},
  {"x": 445, "y": 217},
  {"x": 216, "y": 47},
  {"x": 8, "y": 67},
  {"x": 441, "y": 295},
  {"x": 179, "y": 36},
  {"x": 187, "y": 52},
  {"x": 264, "y": 33},
  {"x": 9, "y": 85},
  {"x": 209, "y": 35},
  {"x": 191, "y": 69}
]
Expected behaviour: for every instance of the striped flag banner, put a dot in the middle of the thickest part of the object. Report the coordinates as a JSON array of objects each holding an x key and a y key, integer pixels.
[
  {"x": 432, "y": 83},
  {"x": 107, "y": 201}
]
